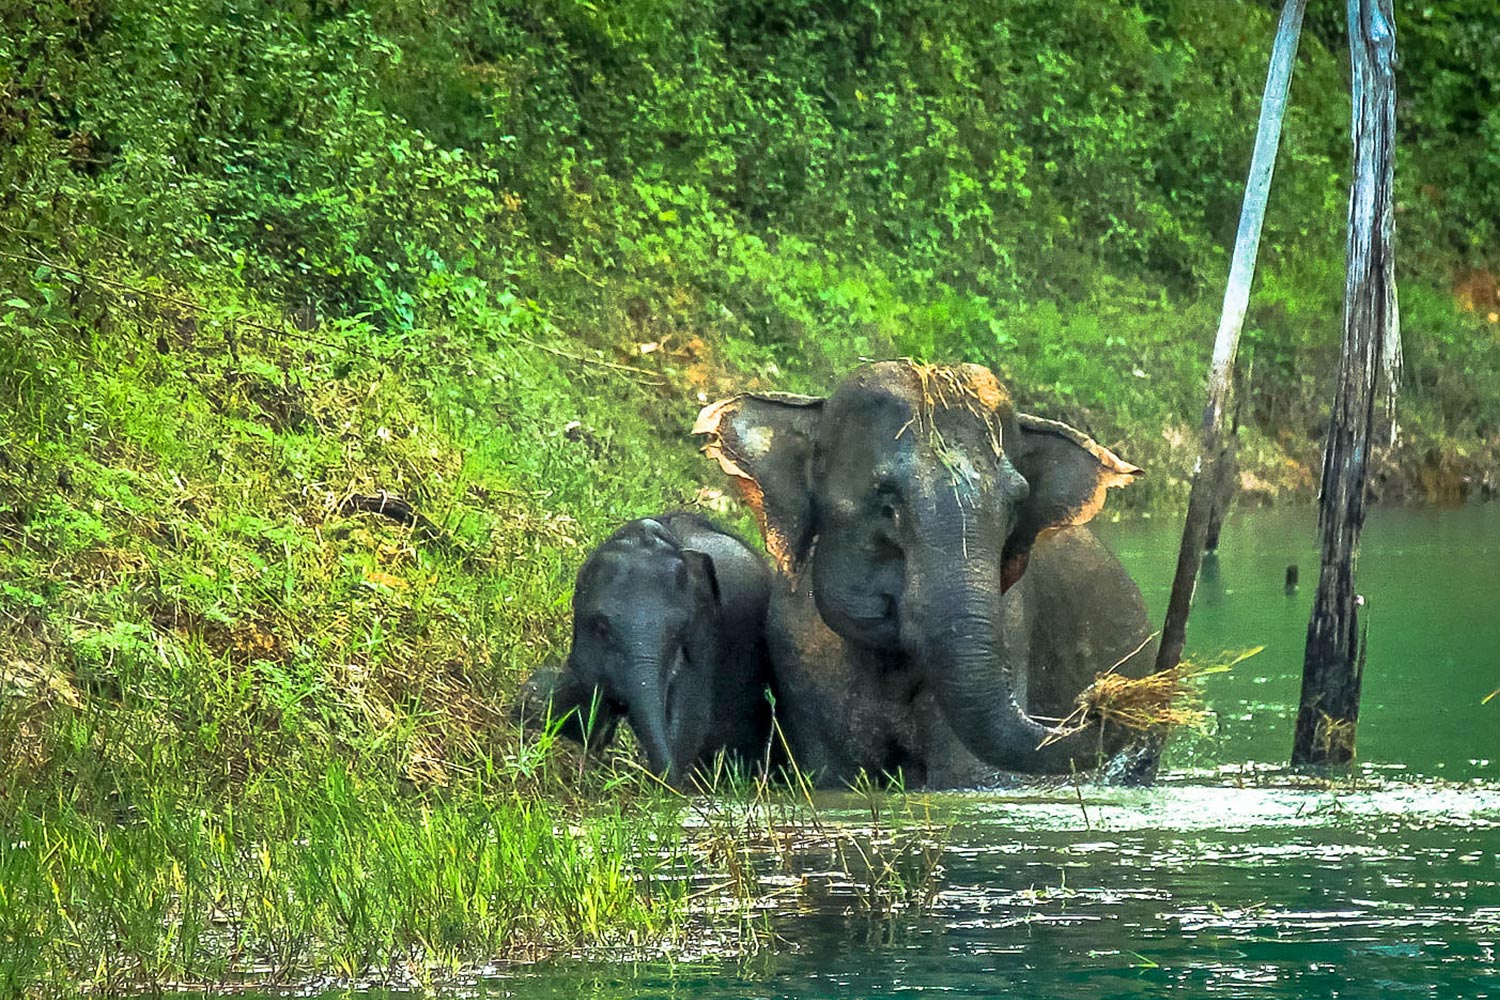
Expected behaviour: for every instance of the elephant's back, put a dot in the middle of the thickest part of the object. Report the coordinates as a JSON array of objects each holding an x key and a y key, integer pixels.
[{"x": 1085, "y": 615}]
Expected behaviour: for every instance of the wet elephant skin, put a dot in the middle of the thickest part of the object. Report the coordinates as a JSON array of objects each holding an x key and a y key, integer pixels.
[
  {"x": 938, "y": 595},
  {"x": 668, "y": 634}
]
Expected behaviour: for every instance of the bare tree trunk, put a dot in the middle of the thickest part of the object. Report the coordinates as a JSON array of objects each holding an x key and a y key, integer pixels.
[
  {"x": 1226, "y": 469},
  {"x": 1333, "y": 669},
  {"x": 1223, "y": 495},
  {"x": 1226, "y": 343}
]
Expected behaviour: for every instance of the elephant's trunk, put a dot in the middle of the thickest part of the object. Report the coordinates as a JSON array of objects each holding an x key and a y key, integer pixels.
[
  {"x": 647, "y": 710},
  {"x": 964, "y": 632}
]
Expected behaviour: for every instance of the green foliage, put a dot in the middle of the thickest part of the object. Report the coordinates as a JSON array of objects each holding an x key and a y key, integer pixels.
[
  {"x": 491, "y": 256},
  {"x": 1447, "y": 165},
  {"x": 821, "y": 184}
]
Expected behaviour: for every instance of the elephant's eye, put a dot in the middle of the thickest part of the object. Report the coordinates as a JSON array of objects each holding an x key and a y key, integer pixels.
[
  {"x": 888, "y": 501},
  {"x": 598, "y": 626}
]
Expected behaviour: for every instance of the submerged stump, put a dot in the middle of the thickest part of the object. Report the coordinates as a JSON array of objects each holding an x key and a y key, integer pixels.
[{"x": 1333, "y": 668}]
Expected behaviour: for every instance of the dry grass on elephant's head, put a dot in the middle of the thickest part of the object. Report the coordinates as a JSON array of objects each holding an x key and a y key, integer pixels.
[{"x": 968, "y": 389}]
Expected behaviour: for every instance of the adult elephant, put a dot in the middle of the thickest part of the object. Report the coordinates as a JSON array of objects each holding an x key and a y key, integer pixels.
[{"x": 939, "y": 594}]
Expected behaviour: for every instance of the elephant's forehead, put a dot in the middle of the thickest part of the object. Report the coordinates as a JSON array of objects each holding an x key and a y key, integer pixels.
[
  {"x": 957, "y": 407},
  {"x": 632, "y": 612},
  {"x": 629, "y": 576},
  {"x": 652, "y": 609},
  {"x": 985, "y": 387},
  {"x": 966, "y": 386}
]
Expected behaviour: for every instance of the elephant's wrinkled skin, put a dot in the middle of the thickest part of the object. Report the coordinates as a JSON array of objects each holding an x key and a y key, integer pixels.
[
  {"x": 937, "y": 594},
  {"x": 668, "y": 633}
]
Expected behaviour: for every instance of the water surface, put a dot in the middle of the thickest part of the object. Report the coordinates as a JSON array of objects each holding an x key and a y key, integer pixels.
[{"x": 1431, "y": 583}]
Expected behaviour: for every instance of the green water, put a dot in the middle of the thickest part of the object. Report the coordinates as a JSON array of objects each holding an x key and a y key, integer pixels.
[
  {"x": 1431, "y": 582},
  {"x": 1229, "y": 878},
  {"x": 1213, "y": 891}
]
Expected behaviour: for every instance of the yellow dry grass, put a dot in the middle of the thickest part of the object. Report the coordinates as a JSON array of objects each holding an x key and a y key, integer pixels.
[
  {"x": 1156, "y": 703},
  {"x": 1334, "y": 738},
  {"x": 972, "y": 389}
]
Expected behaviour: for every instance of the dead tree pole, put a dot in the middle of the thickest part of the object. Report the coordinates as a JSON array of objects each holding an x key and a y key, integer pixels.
[
  {"x": 1227, "y": 342},
  {"x": 1226, "y": 468},
  {"x": 1333, "y": 668}
]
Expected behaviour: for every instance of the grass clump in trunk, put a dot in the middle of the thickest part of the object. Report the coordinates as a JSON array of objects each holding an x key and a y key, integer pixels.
[{"x": 1153, "y": 705}]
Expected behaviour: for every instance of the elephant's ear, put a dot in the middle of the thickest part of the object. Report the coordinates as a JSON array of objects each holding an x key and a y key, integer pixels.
[
  {"x": 701, "y": 564},
  {"x": 765, "y": 443},
  {"x": 1069, "y": 474}
]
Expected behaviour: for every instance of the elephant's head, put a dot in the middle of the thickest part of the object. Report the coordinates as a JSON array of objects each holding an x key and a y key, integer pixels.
[
  {"x": 914, "y": 495},
  {"x": 646, "y": 638}
]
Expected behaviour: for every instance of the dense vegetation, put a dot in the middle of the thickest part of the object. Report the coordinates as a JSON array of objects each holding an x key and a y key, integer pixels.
[{"x": 490, "y": 257}]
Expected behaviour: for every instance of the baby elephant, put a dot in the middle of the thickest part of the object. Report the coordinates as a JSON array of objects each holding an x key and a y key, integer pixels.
[{"x": 668, "y": 622}]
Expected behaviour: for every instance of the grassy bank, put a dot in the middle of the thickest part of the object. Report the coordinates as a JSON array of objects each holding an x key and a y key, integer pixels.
[
  {"x": 339, "y": 878},
  {"x": 248, "y": 730},
  {"x": 252, "y": 731}
]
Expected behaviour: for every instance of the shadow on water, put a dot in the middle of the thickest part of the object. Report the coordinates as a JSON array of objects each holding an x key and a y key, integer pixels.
[{"x": 1226, "y": 879}]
